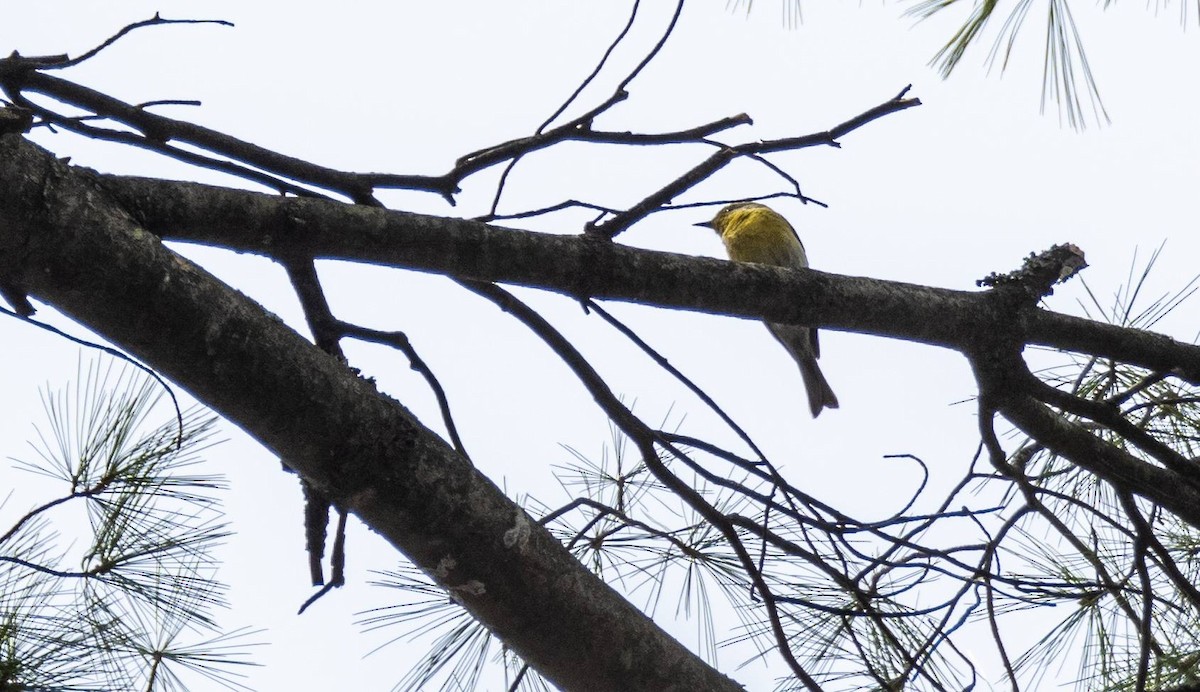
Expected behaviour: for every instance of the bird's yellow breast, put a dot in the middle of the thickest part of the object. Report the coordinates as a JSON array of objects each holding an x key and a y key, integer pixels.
[{"x": 758, "y": 234}]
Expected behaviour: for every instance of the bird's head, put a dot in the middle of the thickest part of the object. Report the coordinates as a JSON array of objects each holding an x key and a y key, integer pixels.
[{"x": 733, "y": 214}]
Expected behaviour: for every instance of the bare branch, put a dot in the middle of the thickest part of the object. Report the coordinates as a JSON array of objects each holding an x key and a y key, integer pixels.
[{"x": 715, "y": 162}]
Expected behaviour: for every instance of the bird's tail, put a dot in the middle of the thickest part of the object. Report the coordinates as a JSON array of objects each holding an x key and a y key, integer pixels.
[
  {"x": 820, "y": 395},
  {"x": 801, "y": 342}
]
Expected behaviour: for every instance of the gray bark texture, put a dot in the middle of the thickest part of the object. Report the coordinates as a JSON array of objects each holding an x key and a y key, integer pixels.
[{"x": 67, "y": 241}]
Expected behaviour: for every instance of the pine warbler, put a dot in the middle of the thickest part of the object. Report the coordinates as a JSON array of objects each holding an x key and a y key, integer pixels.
[{"x": 754, "y": 232}]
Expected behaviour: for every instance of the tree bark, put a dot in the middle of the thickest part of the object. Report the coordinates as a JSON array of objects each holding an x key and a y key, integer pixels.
[
  {"x": 581, "y": 266},
  {"x": 65, "y": 240}
]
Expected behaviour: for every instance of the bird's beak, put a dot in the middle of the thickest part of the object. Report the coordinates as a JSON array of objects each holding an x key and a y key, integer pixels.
[{"x": 704, "y": 224}]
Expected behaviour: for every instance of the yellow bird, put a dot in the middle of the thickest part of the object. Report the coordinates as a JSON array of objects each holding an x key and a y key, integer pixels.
[{"x": 754, "y": 232}]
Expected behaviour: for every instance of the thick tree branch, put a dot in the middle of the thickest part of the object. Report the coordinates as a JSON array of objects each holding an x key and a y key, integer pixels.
[
  {"x": 1107, "y": 461},
  {"x": 1134, "y": 346},
  {"x": 585, "y": 267},
  {"x": 64, "y": 239}
]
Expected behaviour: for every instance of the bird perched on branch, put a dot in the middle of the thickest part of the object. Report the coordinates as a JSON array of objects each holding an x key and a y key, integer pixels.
[{"x": 754, "y": 232}]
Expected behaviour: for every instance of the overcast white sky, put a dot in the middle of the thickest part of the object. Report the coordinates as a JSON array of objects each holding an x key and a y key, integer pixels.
[{"x": 967, "y": 184}]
